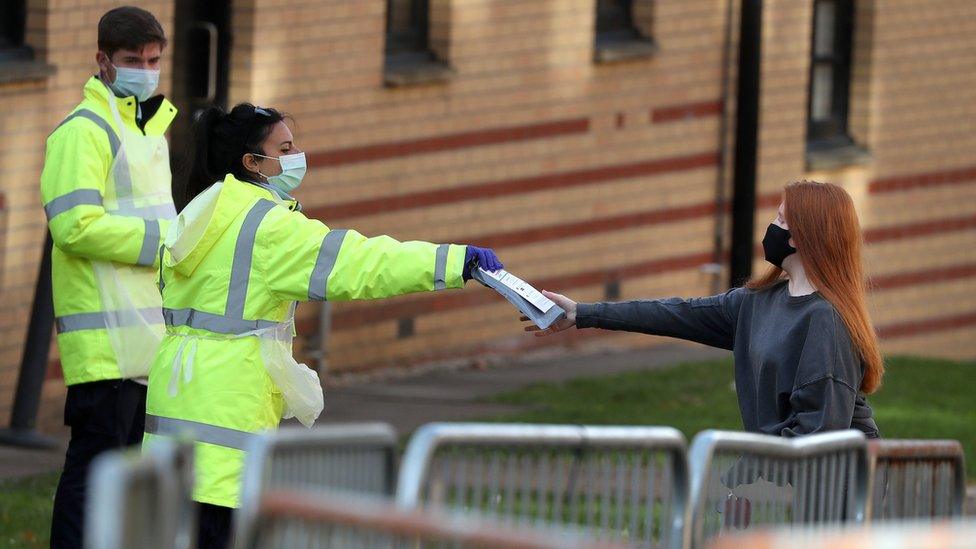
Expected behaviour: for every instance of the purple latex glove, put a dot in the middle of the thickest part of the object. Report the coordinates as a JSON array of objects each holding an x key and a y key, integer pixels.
[{"x": 480, "y": 257}]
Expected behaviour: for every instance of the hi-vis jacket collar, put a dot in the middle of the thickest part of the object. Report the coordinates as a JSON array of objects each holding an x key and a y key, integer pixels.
[
  {"x": 158, "y": 120},
  {"x": 202, "y": 222}
]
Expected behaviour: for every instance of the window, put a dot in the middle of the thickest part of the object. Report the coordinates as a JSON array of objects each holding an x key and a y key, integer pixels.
[
  {"x": 830, "y": 74},
  {"x": 407, "y": 31},
  {"x": 12, "y": 26},
  {"x": 618, "y": 36},
  {"x": 615, "y": 21},
  {"x": 409, "y": 56}
]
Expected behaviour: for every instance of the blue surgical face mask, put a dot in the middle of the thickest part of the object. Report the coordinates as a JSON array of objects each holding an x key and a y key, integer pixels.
[
  {"x": 138, "y": 82},
  {"x": 293, "y": 169}
]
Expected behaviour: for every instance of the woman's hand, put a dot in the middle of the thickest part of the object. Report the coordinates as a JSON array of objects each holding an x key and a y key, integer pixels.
[
  {"x": 567, "y": 304},
  {"x": 480, "y": 257}
]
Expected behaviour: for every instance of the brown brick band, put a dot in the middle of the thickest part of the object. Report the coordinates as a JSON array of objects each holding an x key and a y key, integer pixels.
[
  {"x": 576, "y": 229},
  {"x": 921, "y": 180},
  {"x": 686, "y": 111},
  {"x": 927, "y": 325},
  {"x": 929, "y": 276},
  {"x": 920, "y": 228},
  {"x": 449, "y": 142},
  {"x": 508, "y": 187}
]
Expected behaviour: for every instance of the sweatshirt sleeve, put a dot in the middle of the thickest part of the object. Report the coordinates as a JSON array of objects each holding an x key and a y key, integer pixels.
[
  {"x": 708, "y": 320},
  {"x": 825, "y": 392},
  {"x": 72, "y": 190}
]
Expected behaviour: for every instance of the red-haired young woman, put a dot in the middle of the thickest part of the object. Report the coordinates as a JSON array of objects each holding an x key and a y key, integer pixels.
[{"x": 804, "y": 348}]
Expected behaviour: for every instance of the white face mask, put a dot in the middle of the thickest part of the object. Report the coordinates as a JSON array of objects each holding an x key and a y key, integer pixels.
[
  {"x": 138, "y": 82},
  {"x": 293, "y": 169}
]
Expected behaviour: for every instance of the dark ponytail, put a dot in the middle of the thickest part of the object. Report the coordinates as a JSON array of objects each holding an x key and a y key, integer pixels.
[{"x": 218, "y": 142}]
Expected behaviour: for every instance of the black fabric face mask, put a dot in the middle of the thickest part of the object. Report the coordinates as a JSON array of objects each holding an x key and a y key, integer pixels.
[{"x": 776, "y": 245}]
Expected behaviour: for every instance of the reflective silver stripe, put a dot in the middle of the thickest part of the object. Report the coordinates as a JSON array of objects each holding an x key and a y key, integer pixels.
[
  {"x": 113, "y": 140},
  {"x": 78, "y": 197},
  {"x": 164, "y": 211},
  {"x": 96, "y": 321},
  {"x": 240, "y": 272},
  {"x": 200, "y": 432},
  {"x": 217, "y": 324},
  {"x": 324, "y": 264},
  {"x": 80, "y": 321},
  {"x": 123, "y": 179},
  {"x": 440, "y": 267},
  {"x": 150, "y": 243}
]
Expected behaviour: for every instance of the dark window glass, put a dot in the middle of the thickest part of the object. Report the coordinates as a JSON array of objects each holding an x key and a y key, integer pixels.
[
  {"x": 615, "y": 21},
  {"x": 13, "y": 19},
  {"x": 406, "y": 30},
  {"x": 830, "y": 71}
]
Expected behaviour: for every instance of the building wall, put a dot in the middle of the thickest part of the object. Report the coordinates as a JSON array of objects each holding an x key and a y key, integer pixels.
[
  {"x": 913, "y": 107},
  {"x": 585, "y": 177},
  {"x": 63, "y": 33},
  {"x": 578, "y": 173}
]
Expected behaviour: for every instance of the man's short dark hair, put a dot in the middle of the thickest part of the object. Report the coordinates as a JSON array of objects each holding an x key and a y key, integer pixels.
[{"x": 129, "y": 28}]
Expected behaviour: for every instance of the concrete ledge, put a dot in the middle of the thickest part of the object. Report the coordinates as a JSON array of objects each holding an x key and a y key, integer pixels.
[
  {"x": 22, "y": 71},
  {"x": 838, "y": 157},
  {"x": 415, "y": 74},
  {"x": 615, "y": 52}
]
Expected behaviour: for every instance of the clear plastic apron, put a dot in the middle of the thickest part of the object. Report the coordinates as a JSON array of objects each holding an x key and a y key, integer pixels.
[
  {"x": 299, "y": 385},
  {"x": 138, "y": 186}
]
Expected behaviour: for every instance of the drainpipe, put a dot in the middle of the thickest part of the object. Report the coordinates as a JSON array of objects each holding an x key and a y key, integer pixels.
[
  {"x": 746, "y": 142},
  {"x": 317, "y": 347},
  {"x": 714, "y": 269},
  {"x": 27, "y": 399}
]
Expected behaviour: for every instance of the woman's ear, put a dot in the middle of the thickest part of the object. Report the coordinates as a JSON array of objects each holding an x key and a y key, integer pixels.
[{"x": 250, "y": 163}]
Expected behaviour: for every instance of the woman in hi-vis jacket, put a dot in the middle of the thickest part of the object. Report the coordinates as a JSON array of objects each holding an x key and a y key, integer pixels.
[{"x": 234, "y": 263}]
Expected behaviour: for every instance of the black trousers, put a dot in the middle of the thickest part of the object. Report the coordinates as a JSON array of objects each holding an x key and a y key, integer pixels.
[
  {"x": 103, "y": 415},
  {"x": 214, "y": 526}
]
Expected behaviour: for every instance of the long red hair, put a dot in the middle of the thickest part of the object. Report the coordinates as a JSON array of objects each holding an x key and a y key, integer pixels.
[{"x": 827, "y": 235}]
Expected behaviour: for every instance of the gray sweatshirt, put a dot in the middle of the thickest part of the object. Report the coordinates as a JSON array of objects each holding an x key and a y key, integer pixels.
[{"x": 796, "y": 369}]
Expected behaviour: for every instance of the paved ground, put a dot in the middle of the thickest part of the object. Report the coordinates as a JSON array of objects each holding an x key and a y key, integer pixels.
[
  {"x": 407, "y": 402},
  {"x": 460, "y": 395}
]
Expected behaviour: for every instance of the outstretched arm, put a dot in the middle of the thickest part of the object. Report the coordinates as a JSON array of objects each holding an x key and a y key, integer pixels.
[
  {"x": 305, "y": 260},
  {"x": 708, "y": 320}
]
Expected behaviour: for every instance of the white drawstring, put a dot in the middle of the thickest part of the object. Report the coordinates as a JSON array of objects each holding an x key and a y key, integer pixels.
[{"x": 179, "y": 366}]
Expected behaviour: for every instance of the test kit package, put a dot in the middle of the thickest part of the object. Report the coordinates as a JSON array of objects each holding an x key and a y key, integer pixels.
[{"x": 540, "y": 309}]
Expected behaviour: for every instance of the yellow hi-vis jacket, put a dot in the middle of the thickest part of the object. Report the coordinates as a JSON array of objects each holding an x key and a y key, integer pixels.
[
  {"x": 106, "y": 192},
  {"x": 236, "y": 261}
]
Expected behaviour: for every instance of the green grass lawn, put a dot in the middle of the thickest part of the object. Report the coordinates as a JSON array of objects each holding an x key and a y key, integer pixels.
[
  {"x": 920, "y": 398},
  {"x": 25, "y": 511}
]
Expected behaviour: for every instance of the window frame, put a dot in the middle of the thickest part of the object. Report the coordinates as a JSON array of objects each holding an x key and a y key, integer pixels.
[
  {"x": 412, "y": 46},
  {"x": 834, "y": 131},
  {"x": 623, "y": 39},
  {"x": 625, "y": 31},
  {"x": 13, "y": 31}
]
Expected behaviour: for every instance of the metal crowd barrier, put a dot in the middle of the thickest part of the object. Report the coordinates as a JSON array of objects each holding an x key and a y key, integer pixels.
[
  {"x": 743, "y": 480},
  {"x": 627, "y": 484},
  {"x": 916, "y": 479},
  {"x": 357, "y": 521},
  {"x": 358, "y": 457},
  {"x": 142, "y": 499},
  {"x": 888, "y": 535}
]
